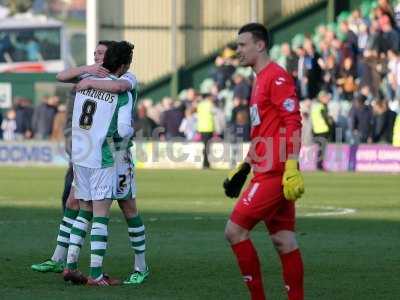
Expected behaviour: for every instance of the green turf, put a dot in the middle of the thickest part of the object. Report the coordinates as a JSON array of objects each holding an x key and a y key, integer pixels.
[{"x": 347, "y": 257}]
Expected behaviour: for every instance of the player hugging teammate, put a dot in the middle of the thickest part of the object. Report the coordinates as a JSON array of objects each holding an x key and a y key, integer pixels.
[{"x": 103, "y": 169}]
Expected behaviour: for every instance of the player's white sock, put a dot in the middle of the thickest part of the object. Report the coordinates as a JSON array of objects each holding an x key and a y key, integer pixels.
[
  {"x": 60, "y": 254},
  {"x": 67, "y": 221},
  {"x": 140, "y": 262},
  {"x": 77, "y": 237},
  {"x": 137, "y": 237},
  {"x": 98, "y": 245}
]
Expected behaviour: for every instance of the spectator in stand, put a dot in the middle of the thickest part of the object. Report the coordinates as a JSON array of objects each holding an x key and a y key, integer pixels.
[
  {"x": 241, "y": 124},
  {"x": 239, "y": 130},
  {"x": 350, "y": 41},
  {"x": 144, "y": 125},
  {"x": 223, "y": 71},
  {"x": 301, "y": 80},
  {"x": 347, "y": 79},
  {"x": 322, "y": 125},
  {"x": 290, "y": 58},
  {"x": 57, "y": 133},
  {"x": 23, "y": 118},
  {"x": 9, "y": 125},
  {"x": 324, "y": 50},
  {"x": 313, "y": 70},
  {"x": 374, "y": 37},
  {"x": 205, "y": 125},
  {"x": 366, "y": 92},
  {"x": 382, "y": 122},
  {"x": 190, "y": 99},
  {"x": 43, "y": 117},
  {"x": 362, "y": 39},
  {"x": 390, "y": 39},
  {"x": 329, "y": 36},
  {"x": 385, "y": 8},
  {"x": 356, "y": 21},
  {"x": 153, "y": 111},
  {"x": 370, "y": 76},
  {"x": 219, "y": 118},
  {"x": 218, "y": 95},
  {"x": 360, "y": 118},
  {"x": 171, "y": 119},
  {"x": 242, "y": 88},
  {"x": 189, "y": 124},
  {"x": 329, "y": 75},
  {"x": 353, "y": 60}
]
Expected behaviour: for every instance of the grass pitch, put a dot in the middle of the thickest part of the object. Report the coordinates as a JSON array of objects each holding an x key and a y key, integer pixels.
[{"x": 348, "y": 228}]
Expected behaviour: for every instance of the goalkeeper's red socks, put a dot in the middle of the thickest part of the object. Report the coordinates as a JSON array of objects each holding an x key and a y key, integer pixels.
[
  {"x": 249, "y": 265},
  {"x": 293, "y": 272}
]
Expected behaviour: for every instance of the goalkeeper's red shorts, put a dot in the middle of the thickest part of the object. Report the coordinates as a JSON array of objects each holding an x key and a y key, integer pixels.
[{"x": 263, "y": 200}]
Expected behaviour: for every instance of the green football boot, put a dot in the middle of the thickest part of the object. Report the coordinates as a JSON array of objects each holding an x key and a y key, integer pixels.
[
  {"x": 49, "y": 266},
  {"x": 137, "y": 277}
]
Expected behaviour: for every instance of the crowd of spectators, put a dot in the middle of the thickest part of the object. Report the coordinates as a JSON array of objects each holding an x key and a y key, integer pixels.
[
  {"x": 43, "y": 122},
  {"x": 347, "y": 76}
]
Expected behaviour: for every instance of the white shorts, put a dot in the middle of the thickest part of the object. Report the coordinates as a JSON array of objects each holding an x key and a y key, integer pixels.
[
  {"x": 93, "y": 184},
  {"x": 125, "y": 185}
]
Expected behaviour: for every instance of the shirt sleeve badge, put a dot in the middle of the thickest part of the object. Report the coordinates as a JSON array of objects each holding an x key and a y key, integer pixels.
[{"x": 289, "y": 105}]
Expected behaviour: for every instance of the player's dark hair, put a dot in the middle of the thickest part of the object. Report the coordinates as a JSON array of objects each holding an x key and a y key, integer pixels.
[
  {"x": 105, "y": 43},
  {"x": 259, "y": 33},
  {"x": 117, "y": 54}
]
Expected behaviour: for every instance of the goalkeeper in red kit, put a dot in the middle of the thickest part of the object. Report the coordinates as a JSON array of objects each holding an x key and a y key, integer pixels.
[{"x": 273, "y": 158}]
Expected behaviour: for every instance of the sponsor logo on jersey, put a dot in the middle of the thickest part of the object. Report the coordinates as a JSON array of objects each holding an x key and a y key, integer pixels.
[
  {"x": 247, "y": 200},
  {"x": 289, "y": 105},
  {"x": 247, "y": 278},
  {"x": 280, "y": 81}
]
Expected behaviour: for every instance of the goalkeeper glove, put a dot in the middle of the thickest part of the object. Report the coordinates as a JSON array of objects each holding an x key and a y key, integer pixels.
[
  {"x": 292, "y": 181},
  {"x": 236, "y": 179}
]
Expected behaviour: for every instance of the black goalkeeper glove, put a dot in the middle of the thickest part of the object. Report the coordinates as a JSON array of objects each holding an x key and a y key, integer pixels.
[{"x": 236, "y": 179}]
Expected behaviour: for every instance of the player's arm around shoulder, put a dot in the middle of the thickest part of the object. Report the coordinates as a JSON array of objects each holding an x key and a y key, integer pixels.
[
  {"x": 126, "y": 82},
  {"x": 74, "y": 74}
]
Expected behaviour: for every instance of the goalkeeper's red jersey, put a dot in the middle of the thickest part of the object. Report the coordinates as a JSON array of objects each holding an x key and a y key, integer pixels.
[{"x": 275, "y": 121}]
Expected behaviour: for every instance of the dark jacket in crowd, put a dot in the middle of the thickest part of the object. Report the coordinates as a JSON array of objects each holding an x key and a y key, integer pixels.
[
  {"x": 350, "y": 45},
  {"x": 382, "y": 125},
  {"x": 144, "y": 127},
  {"x": 171, "y": 120},
  {"x": 242, "y": 90},
  {"x": 314, "y": 75},
  {"x": 292, "y": 64},
  {"x": 23, "y": 119},
  {"x": 389, "y": 41},
  {"x": 361, "y": 120},
  {"x": 221, "y": 74},
  {"x": 42, "y": 121}
]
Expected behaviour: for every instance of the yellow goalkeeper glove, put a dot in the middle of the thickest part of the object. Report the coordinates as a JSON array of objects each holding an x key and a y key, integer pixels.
[
  {"x": 236, "y": 179},
  {"x": 292, "y": 181}
]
